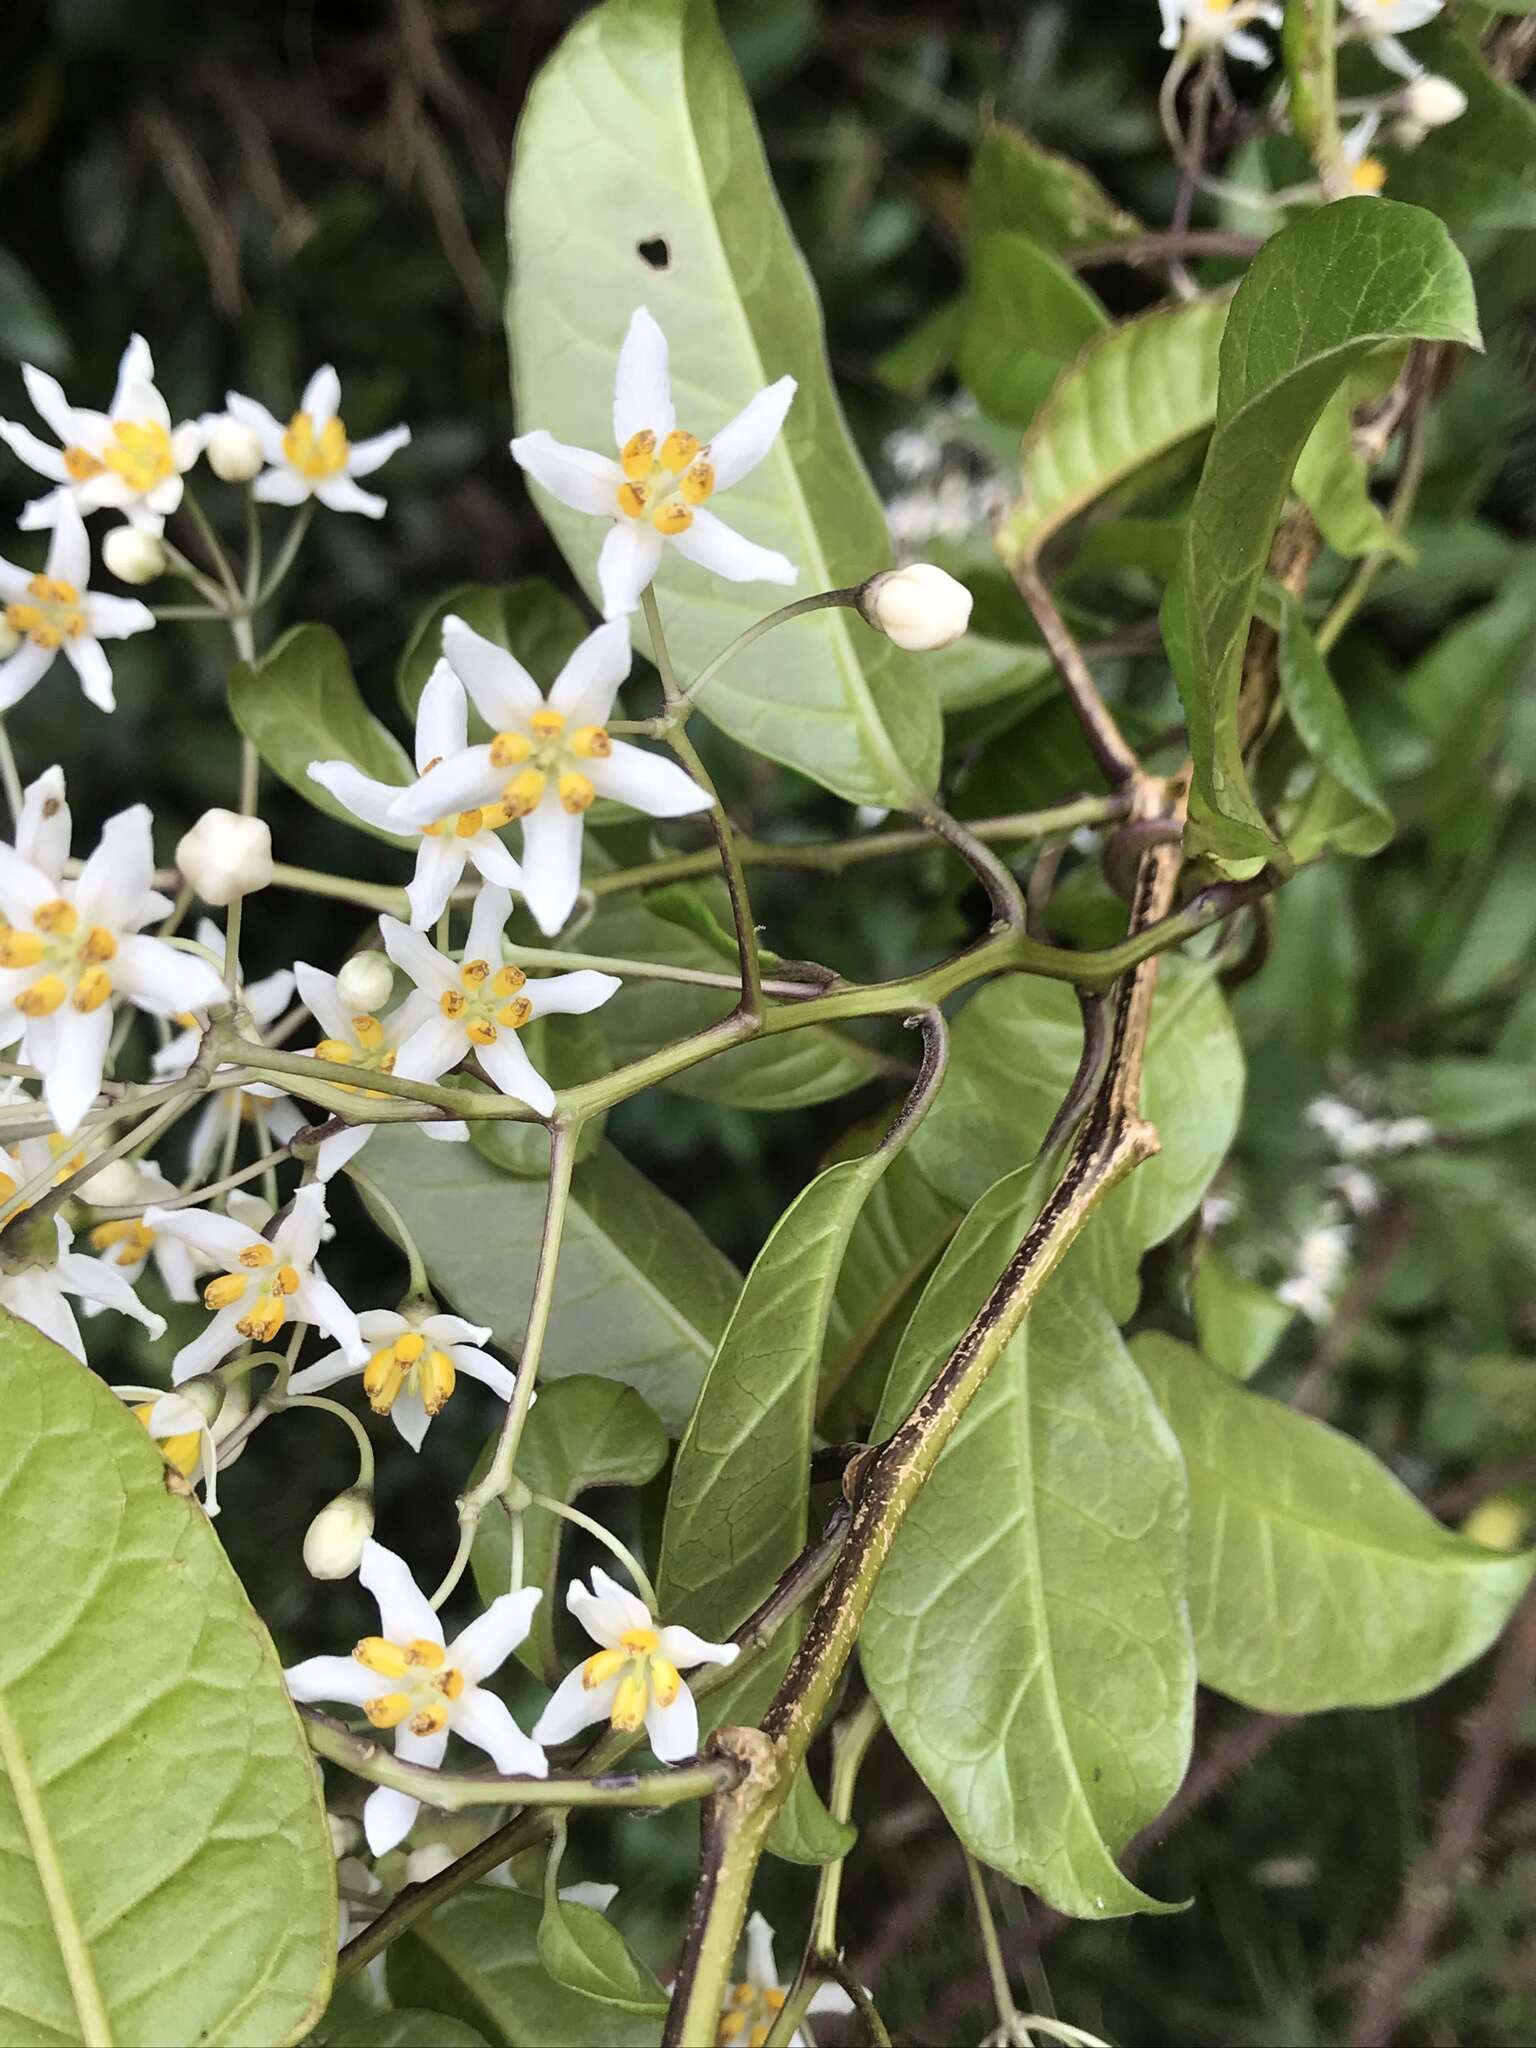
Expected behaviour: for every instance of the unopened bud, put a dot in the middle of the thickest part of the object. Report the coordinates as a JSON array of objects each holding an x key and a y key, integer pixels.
[
  {"x": 346, "y": 1835},
  {"x": 206, "y": 1393},
  {"x": 422, "y": 1865},
  {"x": 114, "y": 1186},
  {"x": 10, "y": 639},
  {"x": 233, "y": 450},
  {"x": 1433, "y": 101},
  {"x": 365, "y": 982},
  {"x": 226, "y": 855},
  {"x": 333, "y": 1542},
  {"x": 920, "y": 607},
  {"x": 133, "y": 557}
]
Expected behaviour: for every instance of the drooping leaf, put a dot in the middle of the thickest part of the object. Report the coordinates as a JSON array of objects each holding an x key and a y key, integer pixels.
[
  {"x": 1239, "y": 1322},
  {"x": 1026, "y": 316},
  {"x": 1136, "y": 393},
  {"x": 1361, "y": 823},
  {"x": 1316, "y": 1579},
  {"x": 641, "y": 1295},
  {"x": 298, "y": 703},
  {"x": 530, "y": 618},
  {"x": 166, "y": 1873},
  {"x": 1027, "y": 1640},
  {"x": 1017, "y": 183},
  {"x": 1478, "y": 172},
  {"x": 1332, "y": 480},
  {"x": 581, "y": 1432},
  {"x": 691, "y": 228},
  {"x": 586, "y": 1953},
  {"x": 804, "y": 1831},
  {"x": 1317, "y": 297}
]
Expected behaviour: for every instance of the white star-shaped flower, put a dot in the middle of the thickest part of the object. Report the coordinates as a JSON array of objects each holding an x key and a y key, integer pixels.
[
  {"x": 127, "y": 1244},
  {"x": 39, "y": 1294},
  {"x": 311, "y": 457},
  {"x": 1199, "y": 25},
  {"x": 550, "y": 760},
  {"x": 71, "y": 948},
  {"x": 407, "y": 1678},
  {"x": 480, "y": 1005},
  {"x": 1381, "y": 22},
  {"x": 55, "y": 608},
  {"x": 635, "y": 1678},
  {"x": 462, "y": 835},
  {"x": 412, "y": 1366},
  {"x": 186, "y": 1441},
  {"x": 657, "y": 489},
  {"x": 264, "y": 1281},
  {"x": 752, "y": 2006},
  {"x": 128, "y": 460}
]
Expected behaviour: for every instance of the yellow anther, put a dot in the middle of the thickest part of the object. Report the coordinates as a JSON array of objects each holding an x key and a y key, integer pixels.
[
  {"x": 468, "y": 823},
  {"x": 576, "y": 792},
  {"x": 133, "y": 1240},
  {"x": 514, "y": 1015},
  {"x": 435, "y": 1381},
  {"x": 43, "y": 997},
  {"x": 672, "y": 516},
  {"x": 591, "y": 743},
  {"x": 499, "y": 814},
  {"x": 422, "y": 1654},
  {"x": 20, "y": 949},
  {"x": 547, "y": 724},
  {"x": 100, "y": 944},
  {"x": 510, "y": 748},
  {"x": 257, "y": 1253},
  {"x": 182, "y": 1450},
  {"x": 430, "y": 1720},
  {"x": 57, "y": 916},
  {"x": 506, "y": 981},
  {"x": 81, "y": 464},
  {"x": 666, "y": 1680},
  {"x": 186, "y": 1020},
  {"x": 265, "y": 1319},
  {"x": 473, "y": 972},
  {"x": 224, "y": 1290},
  {"x": 377, "y": 1653},
  {"x": 336, "y": 1050},
  {"x": 449, "y": 1683},
  {"x": 435, "y": 830},
  {"x": 315, "y": 455},
  {"x": 386, "y": 1066},
  {"x": 1369, "y": 175},
  {"x": 93, "y": 988},
  {"x": 142, "y": 455},
  {"x": 698, "y": 483},
  {"x": 633, "y": 499},
  {"x": 410, "y": 1347},
  {"x": 370, "y": 1032},
  {"x": 53, "y": 590},
  {"x": 389, "y": 1709},
  {"x": 640, "y": 1642},
  {"x": 7, "y": 1186},
  {"x": 638, "y": 454},
  {"x": 628, "y": 1710},
  {"x": 601, "y": 1666},
  {"x": 679, "y": 449},
  {"x": 383, "y": 1377},
  {"x": 451, "y": 1002},
  {"x": 286, "y": 1280},
  {"x": 523, "y": 793},
  {"x": 479, "y": 1031}
]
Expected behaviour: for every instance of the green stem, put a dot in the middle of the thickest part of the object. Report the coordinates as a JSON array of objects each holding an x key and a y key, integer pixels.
[
  {"x": 1309, "y": 41},
  {"x": 30, "y": 1193},
  {"x": 997, "y": 1969},
  {"x": 606, "y": 1537},
  {"x": 252, "y": 548},
  {"x": 418, "y": 1286},
  {"x": 1358, "y": 589},
  {"x": 233, "y": 919},
  {"x": 215, "y": 547},
  {"x": 283, "y": 561},
  {"x": 685, "y": 700},
  {"x": 359, "y": 1434}
]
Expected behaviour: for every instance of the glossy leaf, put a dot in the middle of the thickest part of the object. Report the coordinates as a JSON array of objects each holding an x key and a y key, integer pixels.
[
  {"x": 1318, "y": 296},
  {"x": 1332, "y": 480},
  {"x": 978, "y": 670},
  {"x": 530, "y": 618},
  {"x": 825, "y": 695},
  {"x": 1311, "y": 697},
  {"x": 1316, "y": 1579},
  {"x": 1027, "y": 1641},
  {"x": 641, "y": 1296},
  {"x": 298, "y": 703},
  {"x": 165, "y": 1869},
  {"x": 1026, "y": 316},
  {"x": 805, "y": 1831},
  {"x": 586, "y": 1953},
  {"x": 901, "y": 1230}
]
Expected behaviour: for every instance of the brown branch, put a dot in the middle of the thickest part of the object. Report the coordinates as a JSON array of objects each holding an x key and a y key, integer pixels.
[
  {"x": 1157, "y": 248},
  {"x": 1105, "y": 739}
]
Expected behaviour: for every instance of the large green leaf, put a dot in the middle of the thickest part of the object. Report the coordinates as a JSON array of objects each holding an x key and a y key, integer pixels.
[
  {"x": 299, "y": 704},
  {"x": 1352, "y": 816},
  {"x": 476, "y": 1958},
  {"x": 1026, "y": 316},
  {"x": 641, "y": 1297},
  {"x": 1137, "y": 392},
  {"x": 1479, "y": 172},
  {"x": 1028, "y": 1641},
  {"x": 683, "y": 177},
  {"x": 1317, "y": 298},
  {"x": 165, "y": 1869},
  {"x": 582, "y": 1432},
  {"x": 1316, "y": 1579}
]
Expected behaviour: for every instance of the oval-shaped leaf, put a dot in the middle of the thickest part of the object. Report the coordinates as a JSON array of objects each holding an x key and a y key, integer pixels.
[
  {"x": 166, "y": 1873},
  {"x": 1316, "y": 1580},
  {"x": 805, "y": 1831},
  {"x": 1026, "y": 315},
  {"x": 1353, "y": 817},
  {"x": 689, "y": 225},
  {"x": 586, "y": 1953}
]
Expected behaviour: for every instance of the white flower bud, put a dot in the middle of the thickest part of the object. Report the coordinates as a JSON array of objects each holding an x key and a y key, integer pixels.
[
  {"x": 333, "y": 1542},
  {"x": 233, "y": 450},
  {"x": 1432, "y": 101},
  {"x": 226, "y": 855},
  {"x": 10, "y": 639},
  {"x": 422, "y": 1865},
  {"x": 365, "y": 982},
  {"x": 114, "y": 1187},
  {"x": 920, "y": 607},
  {"x": 346, "y": 1835},
  {"x": 133, "y": 557}
]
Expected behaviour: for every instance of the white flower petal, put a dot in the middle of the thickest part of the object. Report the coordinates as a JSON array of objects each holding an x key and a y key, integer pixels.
[
  {"x": 762, "y": 1968},
  {"x": 317, "y": 1302},
  {"x": 282, "y": 487},
  {"x": 325, "y": 1372},
  {"x": 367, "y": 456},
  {"x": 674, "y": 1729},
  {"x": 586, "y": 687},
  {"x": 119, "y": 873},
  {"x": 114, "y": 618},
  {"x": 388, "y": 1817},
  {"x": 91, "y": 665},
  {"x": 38, "y": 514},
  {"x": 741, "y": 445},
  {"x": 480, "y": 1365},
  {"x": 73, "y": 1067},
  {"x": 36, "y": 1298},
  {"x": 510, "y": 1070},
  {"x": 406, "y": 1615},
  {"x": 220, "y": 1238},
  {"x": 94, "y": 1280},
  {"x": 298, "y": 1237},
  {"x": 461, "y": 782},
  {"x": 161, "y": 978},
  {"x": 680, "y": 1646},
  {"x": 448, "y": 1329},
  {"x": 317, "y": 991},
  {"x": 710, "y": 544},
  {"x": 342, "y": 1679},
  {"x": 135, "y": 366},
  {"x": 417, "y": 957},
  {"x": 619, "y": 1601},
  {"x": 428, "y": 1053},
  {"x": 49, "y": 402},
  {"x": 572, "y": 1707},
  {"x": 322, "y": 396},
  {"x": 493, "y": 860},
  {"x": 552, "y": 839},
  {"x": 504, "y": 693},
  {"x": 487, "y": 922},
  {"x": 829, "y": 1998},
  {"x": 36, "y": 454},
  {"x": 642, "y": 384},
  {"x": 626, "y": 562},
  {"x": 487, "y": 1643},
  {"x": 205, "y": 1350},
  {"x": 340, "y": 494},
  {"x": 442, "y": 717},
  {"x": 440, "y": 861},
  {"x": 23, "y": 671},
  {"x": 362, "y": 796},
  {"x": 340, "y": 1148},
  {"x": 43, "y": 829},
  {"x": 268, "y": 431},
  {"x": 571, "y": 995},
  {"x": 481, "y": 1718},
  {"x": 69, "y": 551},
  {"x": 647, "y": 783},
  {"x": 575, "y": 476}
]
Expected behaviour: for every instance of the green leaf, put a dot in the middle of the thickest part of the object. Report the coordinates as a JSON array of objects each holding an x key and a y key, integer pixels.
[
  {"x": 1239, "y": 1322},
  {"x": 1477, "y": 173},
  {"x": 925, "y": 352},
  {"x": 411, "y": 2027},
  {"x": 1027, "y": 1640},
  {"x": 530, "y": 618},
  {"x": 298, "y": 703},
  {"x": 581, "y": 1432},
  {"x": 1333, "y": 482},
  {"x": 826, "y": 695},
  {"x": 641, "y": 1296},
  {"x": 586, "y": 1953},
  {"x": 736, "y": 1512},
  {"x": 1026, "y": 316},
  {"x": 977, "y": 670},
  {"x": 1017, "y": 183},
  {"x": 1132, "y": 396},
  {"x": 166, "y": 1873},
  {"x": 1316, "y": 299},
  {"x": 1322, "y": 724},
  {"x": 476, "y": 1958},
  {"x": 1316, "y": 1579},
  {"x": 1490, "y": 933},
  {"x": 803, "y": 1829},
  {"x": 904, "y": 1225}
]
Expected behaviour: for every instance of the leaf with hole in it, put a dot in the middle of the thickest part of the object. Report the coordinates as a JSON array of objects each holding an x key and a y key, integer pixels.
[
  {"x": 530, "y": 618},
  {"x": 1026, "y": 315},
  {"x": 1317, "y": 299},
  {"x": 1134, "y": 394},
  {"x": 580, "y": 1432},
  {"x": 1352, "y": 816},
  {"x": 1027, "y": 1640},
  {"x": 298, "y": 703},
  {"x": 166, "y": 1873},
  {"x": 1316, "y": 1579},
  {"x": 674, "y": 210}
]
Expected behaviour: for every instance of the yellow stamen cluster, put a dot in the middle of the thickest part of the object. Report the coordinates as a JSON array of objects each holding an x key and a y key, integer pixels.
[
  {"x": 643, "y": 1674},
  {"x": 546, "y": 751},
  {"x": 127, "y": 1240},
  {"x": 486, "y": 1003},
  {"x": 409, "y": 1362},
  {"x": 372, "y": 1050},
  {"x": 664, "y": 484},
  {"x": 50, "y": 614},
  {"x": 82, "y": 464},
  {"x": 72, "y": 962},
  {"x": 180, "y": 1451},
  {"x": 749, "y": 2014},
  {"x": 269, "y": 1310},
  {"x": 140, "y": 453},
  {"x": 316, "y": 454},
  {"x": 429, "y": 1683}
]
